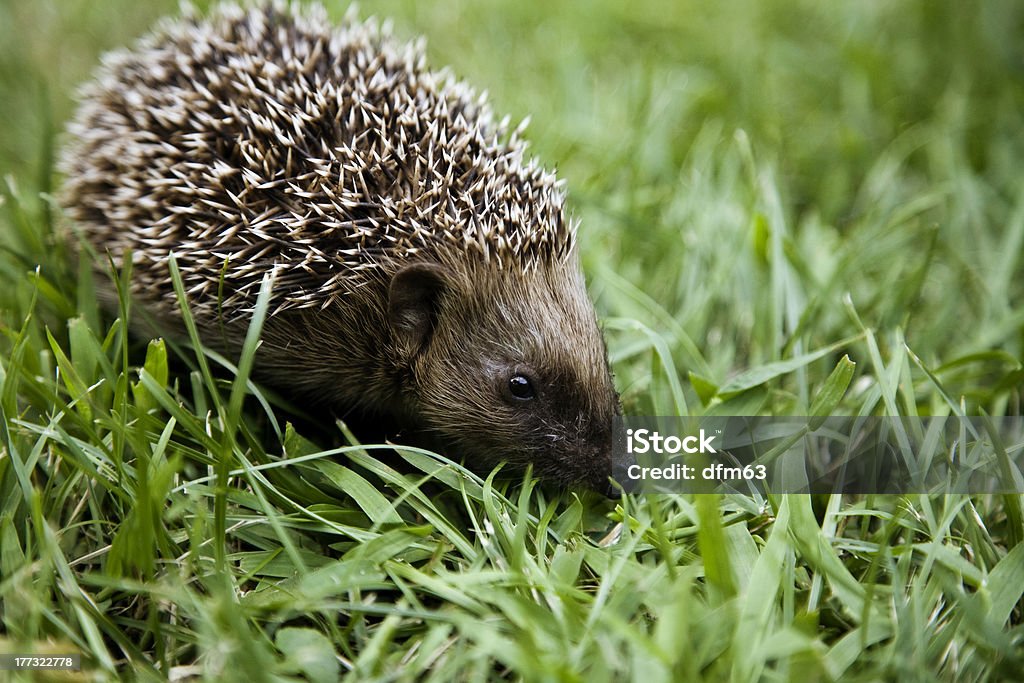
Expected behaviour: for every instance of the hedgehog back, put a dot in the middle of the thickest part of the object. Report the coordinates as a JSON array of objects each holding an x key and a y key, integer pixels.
[{"x": 268, "y": 139}]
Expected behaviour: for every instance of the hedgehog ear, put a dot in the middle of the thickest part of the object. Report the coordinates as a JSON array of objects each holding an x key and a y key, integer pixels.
[{"x": 412, "y": 304}]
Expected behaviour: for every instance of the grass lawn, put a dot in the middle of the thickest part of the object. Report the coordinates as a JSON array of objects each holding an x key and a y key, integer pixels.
[{"x": 755, "y": 181}]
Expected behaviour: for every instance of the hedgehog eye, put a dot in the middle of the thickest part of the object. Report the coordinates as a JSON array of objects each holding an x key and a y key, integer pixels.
[{"x": 520, "y": 388}]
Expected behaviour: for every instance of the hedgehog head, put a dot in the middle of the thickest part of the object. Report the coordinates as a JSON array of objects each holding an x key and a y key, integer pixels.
[{"x": 519, "y": 355}]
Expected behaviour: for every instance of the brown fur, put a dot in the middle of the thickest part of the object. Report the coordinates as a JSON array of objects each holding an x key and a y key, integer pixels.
[{"x": 487, "y": 324}]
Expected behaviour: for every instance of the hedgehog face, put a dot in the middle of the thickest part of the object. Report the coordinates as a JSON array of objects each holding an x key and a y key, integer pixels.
[{"x": 520, "y": 359}]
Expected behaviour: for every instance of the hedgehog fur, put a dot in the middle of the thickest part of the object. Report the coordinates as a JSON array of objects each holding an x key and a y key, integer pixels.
[{"x": 394, "y": 211}]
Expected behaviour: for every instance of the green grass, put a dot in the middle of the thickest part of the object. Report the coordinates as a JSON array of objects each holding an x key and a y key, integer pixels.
[{"x": 755, "y": 180}]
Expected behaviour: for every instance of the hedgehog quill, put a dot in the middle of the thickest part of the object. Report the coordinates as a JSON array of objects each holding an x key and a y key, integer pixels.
[{"x": 426, "y": 275}]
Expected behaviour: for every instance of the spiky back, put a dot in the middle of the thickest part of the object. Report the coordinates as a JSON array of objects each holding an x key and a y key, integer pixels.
[{"x": 266, "y": 139}]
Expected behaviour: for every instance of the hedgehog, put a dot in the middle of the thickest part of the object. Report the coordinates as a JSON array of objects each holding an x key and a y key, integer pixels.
[{"x": 425, "y": 275}]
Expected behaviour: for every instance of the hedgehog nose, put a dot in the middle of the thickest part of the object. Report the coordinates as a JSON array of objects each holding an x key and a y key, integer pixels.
[
  {"x": 612, "y": 491},
  {"x": 620, "y": 469}
]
